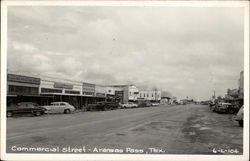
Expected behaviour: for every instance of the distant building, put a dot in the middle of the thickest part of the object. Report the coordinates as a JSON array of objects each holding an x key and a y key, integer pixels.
[
  {"x": 241, "y": 85},
  {"x": 130, "y": 92},
  {"x": 150, "y": 95},
  {"x": 114, "y": 94},
  {"x": 232, "y": 94}
]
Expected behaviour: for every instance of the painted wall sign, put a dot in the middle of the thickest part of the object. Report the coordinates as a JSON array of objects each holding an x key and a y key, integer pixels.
[
  {"x": 100, "y": 94},
  {"x": 23, "y": 79},
  {"x": 63, "y": 85}
]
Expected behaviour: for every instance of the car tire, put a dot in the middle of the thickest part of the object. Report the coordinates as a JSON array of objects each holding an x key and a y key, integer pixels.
[
  {"x": 241, "y": 123},
  {"x": 37, "y": 113},
  {"x": 9, "y": 114},
  {"x": 67, "y": 111},
  {"x": 231, "y": 111}
]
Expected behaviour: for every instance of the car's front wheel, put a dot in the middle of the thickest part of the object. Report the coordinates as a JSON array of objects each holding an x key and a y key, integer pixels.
[
  {"x": 9, "y": 114},
  {"x": 67, "y": 111},
  {"x": 37, "y": 113}
]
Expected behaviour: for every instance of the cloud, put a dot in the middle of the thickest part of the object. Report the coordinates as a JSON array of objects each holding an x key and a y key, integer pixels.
[
  {"x": 186, "y": 51},
  {"x": 23, "y": 47}
]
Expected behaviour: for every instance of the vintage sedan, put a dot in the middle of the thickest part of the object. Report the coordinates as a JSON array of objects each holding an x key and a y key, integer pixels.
[
  {"x": 129, "y": 105},
  {"x": 103, "y": 106},
  {"x": 59, "y": 107},
  {"x": 155, "y": 104},
  {"x": 25, "y": 108},
  {"x": 223, "y": 107}
]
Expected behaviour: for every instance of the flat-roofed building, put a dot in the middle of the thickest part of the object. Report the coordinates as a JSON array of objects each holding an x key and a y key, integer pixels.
[
  {"x": 150, "y": 95},
  {"x": 22, "y": 88},
  {"x": 129, "y": 92}
]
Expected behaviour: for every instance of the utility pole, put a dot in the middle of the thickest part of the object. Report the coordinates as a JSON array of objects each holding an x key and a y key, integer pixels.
[
  {"x": 214, "y": 94},
  {"x": 155, "y": 94}
]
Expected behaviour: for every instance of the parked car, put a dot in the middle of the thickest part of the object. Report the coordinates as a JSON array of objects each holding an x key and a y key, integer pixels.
[
  {"x": 144, "y": 104},
  {"x": 102, "y": 106},
  {"x": 211, "y": 104},
  {"x": 155, "y": 104},
  {"x": 239, "y": 117},
  {"x": 129, "y": 105},
  {"x": 225, "y": 108},
  {"x": 233, "y": 109},
  {"x": 212, "y": 107},
  {"x": 59, "y": 107},
  {"x": 25, "y": 108}
]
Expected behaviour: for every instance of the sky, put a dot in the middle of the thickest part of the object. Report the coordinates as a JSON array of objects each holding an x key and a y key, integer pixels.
[{"x": 186, "y": 51}]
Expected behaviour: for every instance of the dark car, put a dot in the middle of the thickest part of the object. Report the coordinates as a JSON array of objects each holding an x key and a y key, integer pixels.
[
  {"x": 25, "y": 108},
  {"x": 103, "y": 106},
  {"x": 224, "y": 107},
  {"x": 145, "y": 104}
]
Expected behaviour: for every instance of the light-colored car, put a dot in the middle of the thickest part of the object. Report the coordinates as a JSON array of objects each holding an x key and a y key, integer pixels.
[
  {"x": 129, "y": 105},
  {"x": 155, "y": 104},
  {"x": 223, "y": 107},
  {"x": 239, "y": 116},
  {"x": 59, "y": 107}
]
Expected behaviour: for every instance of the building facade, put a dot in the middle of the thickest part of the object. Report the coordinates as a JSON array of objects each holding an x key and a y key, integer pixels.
[
  {"x": 129, "y": 93},
  {"x": 54, "y": 89},
  {"x": 88, "y": 89},
  {"x": 44, "y": 90},
  {"x": 22, "y": 88},
  {"x": 150, "y": 95},
  {"x": 100, "y": 93}
]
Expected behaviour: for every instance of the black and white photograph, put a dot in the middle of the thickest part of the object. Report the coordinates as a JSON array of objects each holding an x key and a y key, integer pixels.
[{"x": 125, "y": 80}]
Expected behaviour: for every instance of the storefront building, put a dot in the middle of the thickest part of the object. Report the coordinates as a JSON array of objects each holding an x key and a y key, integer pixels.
[
  {"x": 129, "y": 93},
  {"x": 88, "y": 93},
  {"x": 44, "y": 90},
  {"x": 100, "y": 93},
  {"x": 22, "y": 88},
  {"x": 57, "y": 90},
  {"x": 150, "y": 95},
  {"x": 114, "y": 94}
]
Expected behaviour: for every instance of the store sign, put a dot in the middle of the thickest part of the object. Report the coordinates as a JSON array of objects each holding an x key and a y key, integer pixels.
[
  {"x": 88, "y": 85},
  {"x": 63, "y": 85},
  {"x": 88, "y": 93},
  {"x": 23, "y": 79},
  {"x": 100, "y": 94}
]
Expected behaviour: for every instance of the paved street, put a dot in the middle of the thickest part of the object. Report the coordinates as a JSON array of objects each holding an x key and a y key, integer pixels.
[{"x": 179, "y": 129}]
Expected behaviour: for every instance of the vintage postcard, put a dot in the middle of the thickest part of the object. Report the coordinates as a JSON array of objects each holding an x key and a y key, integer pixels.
[{"x": 125, "y": 80}]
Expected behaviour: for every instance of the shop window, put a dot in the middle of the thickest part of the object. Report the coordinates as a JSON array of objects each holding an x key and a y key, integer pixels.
[
  {"x": 21, "y": 90},
  {"x": 72, "y": 92},
  {"x": 88, "y": 93},
  {"x": 49, "y": 90}
]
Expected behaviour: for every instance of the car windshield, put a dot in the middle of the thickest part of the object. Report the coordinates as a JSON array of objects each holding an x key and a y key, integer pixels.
[{"x": 26, "y": 105}]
